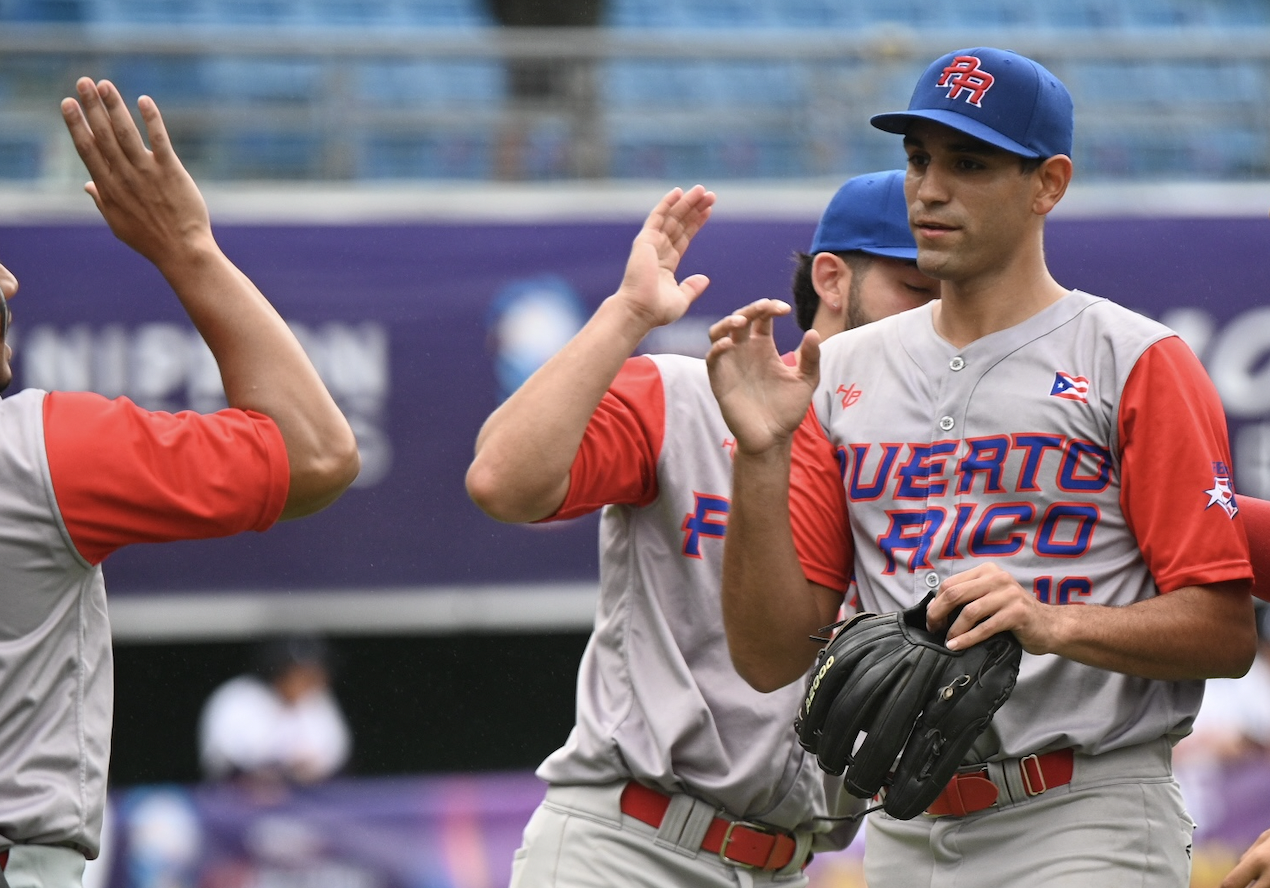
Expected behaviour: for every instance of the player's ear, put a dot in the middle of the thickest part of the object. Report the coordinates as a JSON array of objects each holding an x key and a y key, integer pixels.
[
  {"x": 831, "y": 277},
  {"x": 1052, "y": 178}
]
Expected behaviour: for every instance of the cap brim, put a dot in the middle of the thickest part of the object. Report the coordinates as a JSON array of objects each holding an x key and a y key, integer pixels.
[
  {"x": 892, "y": 252},
  {"x": 898, "y": 122}
]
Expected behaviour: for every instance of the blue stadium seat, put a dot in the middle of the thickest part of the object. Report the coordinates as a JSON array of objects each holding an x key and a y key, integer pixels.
[
  {"x": 640, "y": 83},
  {"x": 44, "y": 10},
  {"x": 545, "y": 151},
  {"x": 254, "y": 12},
  {"x": 126, "y": 12},
  {"x": 21, "y": 157},
  {"x": 635, "y": 83},
  {"x": 1229, "y": 152},
  {"x": 639, "y": 153},
  {"x": 1214, "y": 82},
  {"x": 725, "y": 13},
  {"x": 345, "y": 13},
  {"x": 1165, "y": 82},
  {"x": 1077, "y": 13},
  {"x": 816, "y": 14},
  {"x": 434, "y": 156},
  {"x": 1164, "y": 152},
  {"x": 169, "y": 80},
  {"x": 1238, "y": 13},
  {"x": 436, "y": 83},
  {"x": 266, "y": 155},
  {"x": 445, "y": 13},
  {"x": 915, "y": 14},
  {"x": 1111, "y": 81},
  {"x": 1158, "y": 13},
  {"x": 748, "y": 83},
  {"x": 633, "y": 14},
  {"x": 246, "y": 80}
]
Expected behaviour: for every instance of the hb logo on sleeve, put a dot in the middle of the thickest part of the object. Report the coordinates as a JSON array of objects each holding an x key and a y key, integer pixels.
[{"x": 965, "y": 75}]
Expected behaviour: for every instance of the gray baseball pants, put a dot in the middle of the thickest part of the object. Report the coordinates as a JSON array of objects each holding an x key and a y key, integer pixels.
[{"x": 1120, "y": 823}]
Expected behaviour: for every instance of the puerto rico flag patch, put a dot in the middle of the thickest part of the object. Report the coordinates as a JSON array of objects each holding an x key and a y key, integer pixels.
[
  {"x": 1071, "y": 388},
  {"x": 1222, "y": 492}
]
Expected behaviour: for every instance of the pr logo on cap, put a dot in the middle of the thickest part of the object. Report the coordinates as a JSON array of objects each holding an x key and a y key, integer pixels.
[
  {"x": 963, "y": 74},
  {"x": 1029, "y": 114}
]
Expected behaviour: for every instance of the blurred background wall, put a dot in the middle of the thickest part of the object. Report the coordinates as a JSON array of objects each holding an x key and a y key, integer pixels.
[{"x": 436, "y": 193}]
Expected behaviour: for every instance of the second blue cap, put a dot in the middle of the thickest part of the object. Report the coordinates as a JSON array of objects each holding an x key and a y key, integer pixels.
[{"x": 869, "y": 214}]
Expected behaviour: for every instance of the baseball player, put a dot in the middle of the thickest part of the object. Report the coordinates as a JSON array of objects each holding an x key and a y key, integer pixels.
[
  {"x": 677, "y": 772},
  {"x": 81, "y": 476},
  {"x": 1018, "y": 447}
]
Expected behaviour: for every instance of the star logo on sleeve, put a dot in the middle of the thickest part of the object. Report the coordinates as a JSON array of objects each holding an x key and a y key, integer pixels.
[{"x": 1222, "y": 494}]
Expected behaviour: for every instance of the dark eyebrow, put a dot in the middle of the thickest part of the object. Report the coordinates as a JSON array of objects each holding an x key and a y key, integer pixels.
[
  {"x": 971, "y": 145},
  {"x": 975, "y": 146}
]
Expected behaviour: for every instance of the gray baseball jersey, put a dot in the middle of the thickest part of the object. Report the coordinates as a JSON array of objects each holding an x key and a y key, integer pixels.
[
  {"x": 54, "y": 653},
  {"x": 1083, "y": 450},
  {"x": 79, "y": 477},
  {"x": 658, "y": 698}
]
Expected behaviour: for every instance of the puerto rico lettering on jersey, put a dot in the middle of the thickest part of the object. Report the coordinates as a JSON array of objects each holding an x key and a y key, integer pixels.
[
  {"x": 996, "y": 466},
  {"x": 709, "y": 518}
]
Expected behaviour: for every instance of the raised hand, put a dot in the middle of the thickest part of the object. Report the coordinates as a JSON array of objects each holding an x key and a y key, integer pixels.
[
  {"x": 1253, "y": 870},
  {"x": 8, "y": 283},
  {"x": 762, "y": 398},
  {"x": 649, "y": 288},
  {"x": 153, "y": 206},
  {"x": 145, "y": 194}
]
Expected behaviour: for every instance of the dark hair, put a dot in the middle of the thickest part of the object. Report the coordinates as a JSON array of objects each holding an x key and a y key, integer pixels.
[
  {"x": 274, "y": 656},
  {"x": 1029, "y": 165},
  {"x": 806, "y": 299}
]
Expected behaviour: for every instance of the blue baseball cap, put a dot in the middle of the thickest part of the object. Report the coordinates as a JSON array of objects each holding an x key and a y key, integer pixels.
[
  {"x": 869, "y": 214},
  {"x": 995, "y": 95}
]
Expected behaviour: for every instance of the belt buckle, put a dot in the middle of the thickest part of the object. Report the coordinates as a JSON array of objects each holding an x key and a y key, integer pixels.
[
  {"x": 1027, "y": 776},
  {"x": 727, "y": 837}
]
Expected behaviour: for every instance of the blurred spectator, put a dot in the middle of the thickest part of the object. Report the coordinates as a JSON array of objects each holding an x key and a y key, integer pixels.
[
  {"x": 547, "y": 89},
  {"x": 281, "y": 723},
  {"x": 1234, "y": 720},
  {"x": 1233, "y": 725}
]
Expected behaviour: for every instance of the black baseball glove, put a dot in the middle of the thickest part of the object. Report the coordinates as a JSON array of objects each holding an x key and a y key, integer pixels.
[{"x": 919, "y": 705}]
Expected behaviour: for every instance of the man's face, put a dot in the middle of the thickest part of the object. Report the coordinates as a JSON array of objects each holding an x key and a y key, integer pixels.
[
  {"x": 969, "y": 203},
  {"x": 887, "y": 286}
]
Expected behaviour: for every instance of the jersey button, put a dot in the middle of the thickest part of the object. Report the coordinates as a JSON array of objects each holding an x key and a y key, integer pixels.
[
  {"x": 947, "y": 423},
  {"x": 957, "y": 363},
  {"x": 932, "y": 580}
]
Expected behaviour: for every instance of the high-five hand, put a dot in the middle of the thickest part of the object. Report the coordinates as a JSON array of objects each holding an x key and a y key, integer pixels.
[
  {"x": 649, "y": 288},
  {"x": 145, "y": 194},
  {"x": 763, "y": 399}
]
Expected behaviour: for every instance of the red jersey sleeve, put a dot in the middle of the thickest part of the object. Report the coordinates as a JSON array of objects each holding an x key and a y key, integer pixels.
[
  {"x": 1176, "y": 487},
  {"x": 818, "y": 508},
  {"x": 1256, "y": 515},
  {"x": 125, "y": 475},
  {"x": 617, "y": 460}
]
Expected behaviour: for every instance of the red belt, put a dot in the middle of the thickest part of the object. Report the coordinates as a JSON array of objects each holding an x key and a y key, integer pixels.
[
  {"x": 751, "y": 845},
  {"x": 971, "y": 791}
]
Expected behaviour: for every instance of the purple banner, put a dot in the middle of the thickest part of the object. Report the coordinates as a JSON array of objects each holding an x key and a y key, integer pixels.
[
  {"x": 420, "y": 328},
  {"x": 458, "y": 832}
]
